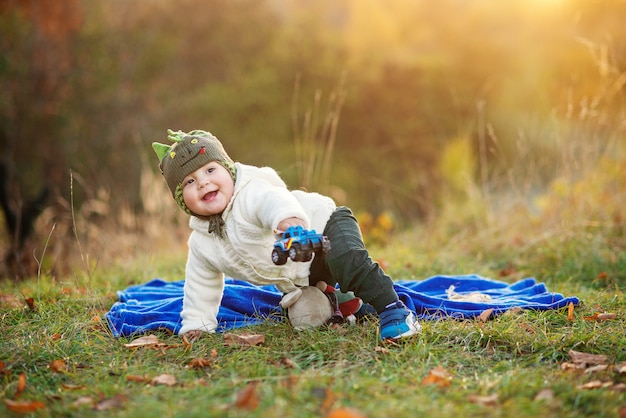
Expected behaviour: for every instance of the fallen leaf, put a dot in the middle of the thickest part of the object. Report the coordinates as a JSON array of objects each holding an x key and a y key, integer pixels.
[
  {"x": 484, "y": 316},
  {"x": 601, "y": 317},
  {"x": 115, "y": 402},
  {"x": 619, "y": 387},
  {"x": 200, "y": 363},
  {"x": 438, "y": 376},
  {"x": 345, "y": 413},
  {"x": 55, "y": 337},
  {"x": 137, "y": 379},
  {"x": 544, "y": 395},
  {"x": 490, "y": 400},
  {"x": 620, "y": 368},
  {"x": 595, "y": 384},
  {"x": 23, "y": 407},
  {"x": 83, "y": 400},
  {"x": 148, "y": 340},
  {"x": 213, "y": 353},
  {"x": 383, "y": 350},
  {"x": 570, "y": 312},
  {"x": 580, "y": 357},
  {"x": 572, "y": 366},
  {"x": 596, "y": 368},
  {"x": 30, "y": 302},
  {"x": 164, "y": 379},
  {"x": 21, "y": 384},
  {"x": 58, "y": 366},
  {"x": 528, "y": 328},
  {"x": 288, "y": 363},
  {"x": 72, "y": 387},
  {"x": 243, "y": 339},
  {"x": 247, "y": 398}
]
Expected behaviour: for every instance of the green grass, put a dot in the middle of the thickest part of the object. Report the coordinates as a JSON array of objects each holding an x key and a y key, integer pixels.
[{"x": 514, "y": 356}]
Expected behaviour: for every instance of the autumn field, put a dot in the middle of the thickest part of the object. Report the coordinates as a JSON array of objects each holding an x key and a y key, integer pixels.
[
  {"x": 59, "y": 358},
  {"x": 481, "y": 137}
]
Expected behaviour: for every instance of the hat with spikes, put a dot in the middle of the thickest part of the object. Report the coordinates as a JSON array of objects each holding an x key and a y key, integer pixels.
[{"x": 189, "y": 152}]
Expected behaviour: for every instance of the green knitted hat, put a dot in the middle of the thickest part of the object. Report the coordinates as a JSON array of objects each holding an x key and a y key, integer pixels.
[{"x": 189, "y": 152}]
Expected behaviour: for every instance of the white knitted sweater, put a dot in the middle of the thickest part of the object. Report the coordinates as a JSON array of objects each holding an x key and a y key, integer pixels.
[{"x": 260, "y": 201}]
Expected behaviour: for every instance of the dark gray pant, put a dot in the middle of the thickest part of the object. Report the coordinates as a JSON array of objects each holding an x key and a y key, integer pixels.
[{"x": 349, "y": 264}]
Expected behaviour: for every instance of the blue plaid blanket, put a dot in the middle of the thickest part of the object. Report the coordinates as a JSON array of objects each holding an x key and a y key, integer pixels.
[{"x": 157, "y": 304}]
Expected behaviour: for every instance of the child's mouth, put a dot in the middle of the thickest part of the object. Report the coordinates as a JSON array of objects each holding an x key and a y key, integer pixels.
[{"x": 209, "y": 196}]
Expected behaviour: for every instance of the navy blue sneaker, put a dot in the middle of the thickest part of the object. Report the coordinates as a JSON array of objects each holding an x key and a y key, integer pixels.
[{"x": 397, "y": 321}]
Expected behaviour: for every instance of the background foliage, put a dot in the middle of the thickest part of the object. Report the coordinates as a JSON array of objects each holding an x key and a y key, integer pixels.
[{"x": 433, "y": 103}]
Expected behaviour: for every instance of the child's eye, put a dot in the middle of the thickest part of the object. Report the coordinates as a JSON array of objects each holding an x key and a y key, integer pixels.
[
  {"x": 210, "y": 170},
  {"x": 187, "y": 182}
]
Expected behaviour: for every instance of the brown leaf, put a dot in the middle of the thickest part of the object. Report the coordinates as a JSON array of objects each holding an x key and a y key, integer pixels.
[
  {"x": 200, "y": 363},
  {"x": 72, "y": 387},
  {"x": 595, "y": 384},
  {"x": 247, "y": 398},
  {"x": 55, "y": 337},
  {"x": 601, "y": 317},
  {"x": 137, "y": 378},
  {"x": 164, "y": 379},
  {"x": 528, "y": 328},
  {"x": 597, "y": 368},
  {"x": 288, "y": 363},
  {"x": 570, "y": 312},
  {"x": 23, "y": 407},
  {"x": 58, "y": 366},
  {"x": 579, "y": 357},
  {"x": 345, "y": 413},
  {"x": 21, "y": 384},
  {"x": 484, "y": 316},
  {"x": 148, "y": 340},
  {"x": 383, "y": 350},
  {"x": 490, "y": 400},
  {"x": 30, "y": 302},
  {"x": 546, "y": 394},
  {"x": 327, "y": 396},
  {"x": 243, "y": 339},
  {"x": 438, "y": 376},
  {"x": 115, "y": 402},
  {"x": 83, "y": 400},
  {"x": 620, "y": 368}
]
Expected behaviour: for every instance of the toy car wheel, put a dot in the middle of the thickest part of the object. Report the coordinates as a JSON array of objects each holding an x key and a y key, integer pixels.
[
  {"x": 294, "y": 252},
  {"x": 278, "y": 257}
]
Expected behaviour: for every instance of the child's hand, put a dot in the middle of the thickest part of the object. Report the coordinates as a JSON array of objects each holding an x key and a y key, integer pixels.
[
  {"x": 286, "y": 223},
  {"x": 192, "y": 336}
]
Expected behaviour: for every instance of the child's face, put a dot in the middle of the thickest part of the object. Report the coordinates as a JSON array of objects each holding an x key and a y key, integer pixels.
[{"x": 208, "y": 190}]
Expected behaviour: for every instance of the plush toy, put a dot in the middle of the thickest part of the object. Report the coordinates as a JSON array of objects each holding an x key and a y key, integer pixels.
[{"x": 314, "y": 306}]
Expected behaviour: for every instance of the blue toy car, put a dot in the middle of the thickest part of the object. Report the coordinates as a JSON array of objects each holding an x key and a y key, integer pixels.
[{"x": 299, "y": 244}]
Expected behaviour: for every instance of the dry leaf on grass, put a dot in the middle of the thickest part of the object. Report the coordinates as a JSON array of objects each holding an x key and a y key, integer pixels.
[
  {"x": 484, "y": 316},
  {"x": 115, "y": 402},
  {"x": 243, "y": 339},
  {"x": 601, "y": 317},
  {"x": 21, "y": 384},
  {"x": 200, "y": 363},
  {"x": 438, "y": 376},
  {"x": 23, "y": 407},
  {"x": 345, "y": 413},
  {"x": 58, "y": 366},
  {"x": 247, "y": 398},
  {"x": 595, "y": 384},
  {"x": 137, "y": 379},
  {"x": 327, "y": 397},
  {"x": 586, "y": 358},
  {"x": 288, "y": 363},
  {"x": 148, "y": 340},
  {"x": 620, "y": 368},
  {"x": 490, "y": 400},
  {"x": 544, "y": 395},
  {"x": 164, "y": 379},
  {"x": 570, "y": 312}
]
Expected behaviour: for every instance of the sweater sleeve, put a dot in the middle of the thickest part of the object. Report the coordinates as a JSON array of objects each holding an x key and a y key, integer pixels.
[{"x": 203, "y": 292}]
